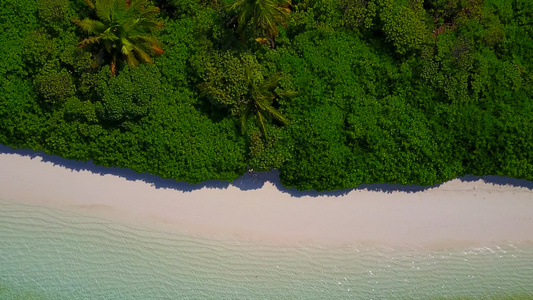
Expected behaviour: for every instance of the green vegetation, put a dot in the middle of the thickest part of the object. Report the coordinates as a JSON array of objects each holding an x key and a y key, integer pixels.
[
  {"x": 123, "y": 30},
  {"x": 333, "y": 93},
  {"x": 263, "y": 16},
  {"x": 239, "y": 84}
]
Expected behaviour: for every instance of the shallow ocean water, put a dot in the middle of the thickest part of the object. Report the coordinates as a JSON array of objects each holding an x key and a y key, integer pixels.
[{"x": 52, "y": 254}]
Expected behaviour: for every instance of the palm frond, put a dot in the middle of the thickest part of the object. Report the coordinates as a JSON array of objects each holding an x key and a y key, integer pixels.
[
  {"x": 247, "y": 75},
  {"x": 109, "y": 47},
  {"x": 261, "y": 120},
  {"x": 127, "y": 46},
  {"x": 272, "y": 111},
  {"x": 143, "y": 39},
  {"x": 263, "y": 15},
  {"x": 90, "y": 3},
  {"x": 109, "y": 35},
  {"x": 160, "y": 25},
  {"x": 124, "y": 30},
  {"x": 135, "y": 9},
  {"x": 120, "y": 12},
  {"x": 262, "y": 95},
  {"x": 245, "y": 115},
  {"x": 236, "y": 5},
  {"x": 142, "y": 54},
  {"x": 157, "y": 49},
  {"x": 103, "y": 9},
  {"x": 131, "y": 60},
  {"x": 143, "y": 26},
  {"x": 137, "y": 4},
  {"x": 245, "y": 9},
  {"x": 91, "y": 26},
  {"x": 272, "y": 82},
  {"x": 89, "y": 40},
  {"x": 149, "y": 43},
  {"x": 209, "y": 90},
  {"x": 149, "y": 12}
]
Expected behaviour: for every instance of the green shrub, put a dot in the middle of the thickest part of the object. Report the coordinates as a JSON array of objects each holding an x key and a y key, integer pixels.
[
  {"x": 54, "y": 86},
  {"x": 404, "y": 25},
  {"x": 360, "y": 14},
  {"x": 129, "y": 95},
  {"x": 39, "y": 49},
  {"x": 54, "y": 12}
]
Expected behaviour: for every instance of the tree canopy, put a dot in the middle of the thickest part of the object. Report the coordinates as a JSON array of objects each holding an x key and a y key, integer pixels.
[
  {"x": 123, "y": 31},
  {"x": 263, "y": 16},
  {"x": 343, "y": 92}
]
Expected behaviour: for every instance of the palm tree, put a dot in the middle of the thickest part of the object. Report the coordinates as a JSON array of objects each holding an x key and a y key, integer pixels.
[
  {"x": 123, "y": 31},
  {"x": 260, "y": 100},
  {"x": 256, "y": 101},
  {"x": 264, "y": 15}
]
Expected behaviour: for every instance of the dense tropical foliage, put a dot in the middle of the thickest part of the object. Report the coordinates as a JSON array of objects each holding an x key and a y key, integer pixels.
[
  {"x": 124, "y": 30},
  {"x": 333, "y": 93},
  {"x": 263, "y": 16}
]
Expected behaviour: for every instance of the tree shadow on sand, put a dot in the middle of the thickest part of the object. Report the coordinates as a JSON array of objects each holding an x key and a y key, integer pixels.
[{"x": 248, "y": 181}]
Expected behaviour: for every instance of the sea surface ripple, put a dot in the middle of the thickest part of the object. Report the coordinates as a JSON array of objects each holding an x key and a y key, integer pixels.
[{"x": 53, "y": 254}]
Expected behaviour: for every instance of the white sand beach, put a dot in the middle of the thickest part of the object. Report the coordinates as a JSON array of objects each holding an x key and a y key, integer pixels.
[{"x": 454, "y": 213}]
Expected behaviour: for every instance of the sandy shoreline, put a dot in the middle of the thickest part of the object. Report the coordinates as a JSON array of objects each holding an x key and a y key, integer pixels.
[{"x": 454, "y": 213}]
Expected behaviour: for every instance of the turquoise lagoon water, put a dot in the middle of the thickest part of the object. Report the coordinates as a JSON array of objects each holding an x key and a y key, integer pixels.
[{"x": 53, "y": 254}]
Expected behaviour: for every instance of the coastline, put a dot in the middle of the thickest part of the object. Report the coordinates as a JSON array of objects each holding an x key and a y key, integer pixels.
[{"x": 456, "y": 213}]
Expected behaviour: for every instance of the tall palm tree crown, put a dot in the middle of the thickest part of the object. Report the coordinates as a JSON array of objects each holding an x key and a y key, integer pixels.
[
  {"x": 264, "y": 15},
  {"x": 236, "y": 82},
  {"x": 260, "y": 102},
  {"x": 123, "y": 32}
]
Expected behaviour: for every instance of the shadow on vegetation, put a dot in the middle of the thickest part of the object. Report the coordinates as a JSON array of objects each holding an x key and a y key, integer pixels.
[
  {"x": 128, "y": 174},
  {"x": 500, "y": 180},
  {"x": 248, "y": 181}
]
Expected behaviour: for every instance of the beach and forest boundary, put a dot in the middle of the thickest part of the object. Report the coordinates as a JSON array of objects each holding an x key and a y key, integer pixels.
[
  {"x": 468, "y": 238},
  {"x": 470, "y": 212},
  {"x": 331, "y": 93}
]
